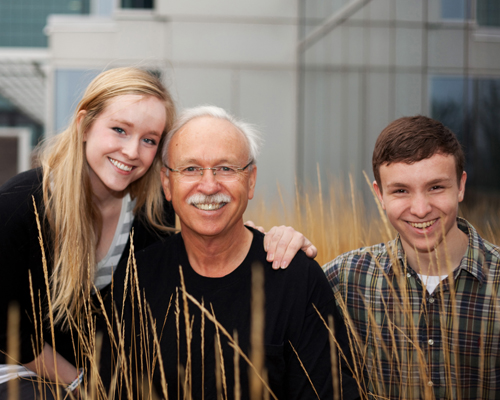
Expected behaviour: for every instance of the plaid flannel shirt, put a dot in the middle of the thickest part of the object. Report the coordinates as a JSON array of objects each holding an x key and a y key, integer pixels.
[{"x": 412, "y": 345}]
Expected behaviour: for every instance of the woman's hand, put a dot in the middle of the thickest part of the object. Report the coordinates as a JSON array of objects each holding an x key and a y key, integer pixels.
[
  {"x": 282, "y": 243},
  {"x": 45, "y": 365}
]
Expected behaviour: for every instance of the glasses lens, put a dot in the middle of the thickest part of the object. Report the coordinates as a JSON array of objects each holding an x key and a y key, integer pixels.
[
  {"x": 227, "y": 174},
  {"x": 221, "y": 174}
]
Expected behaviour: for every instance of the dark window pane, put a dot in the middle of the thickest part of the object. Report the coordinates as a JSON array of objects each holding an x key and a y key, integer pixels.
[
  {"x": 148, "y": 4},
  {"x": 8, "y": 158},
  {"x": 469, "y": 107},
  {"x": 488, "y": 12},
  {"x": 447, "y": 102}
]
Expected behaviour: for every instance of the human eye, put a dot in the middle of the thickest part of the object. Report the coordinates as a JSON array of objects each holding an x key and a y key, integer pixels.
[
  {"x": 226, "y": 170},
  {"x": 118, "y": 130},
  {"x": 149, "y": 141},
  {"x": 436, "y": 187},
  {"x": 399, "y": 193},
  {"x": 189, "y": 171}
]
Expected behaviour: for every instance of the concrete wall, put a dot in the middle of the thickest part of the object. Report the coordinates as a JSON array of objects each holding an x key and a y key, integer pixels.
[
  {"x": 375, "y": 67},
  {"x": 235, "y": 54}
]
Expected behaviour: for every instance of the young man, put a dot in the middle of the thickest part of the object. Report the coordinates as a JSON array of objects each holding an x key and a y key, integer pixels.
[{"x": 424, "y": 308}]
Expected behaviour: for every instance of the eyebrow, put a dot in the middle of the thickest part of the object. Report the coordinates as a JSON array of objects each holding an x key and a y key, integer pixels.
[
  {"x": 131, "y": 125},
  {"x": 122, "y": 121},
  {"x": 195, "y": 161},
  {"x": 430, "y": 183},
  {"x": 439, "y": 180}
]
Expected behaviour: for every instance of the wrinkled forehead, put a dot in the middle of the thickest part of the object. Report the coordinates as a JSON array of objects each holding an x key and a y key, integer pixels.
[{"x": 208, "y": 137}]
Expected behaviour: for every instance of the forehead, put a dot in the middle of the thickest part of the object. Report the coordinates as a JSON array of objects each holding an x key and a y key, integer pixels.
[
  {"x": 435, "y": 168},
  {"x": 208, "y": 138},
  {"x": 121, "y": 102}
]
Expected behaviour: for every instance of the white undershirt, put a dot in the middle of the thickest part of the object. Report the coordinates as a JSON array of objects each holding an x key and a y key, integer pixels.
[{"x": 431, "y": 281}]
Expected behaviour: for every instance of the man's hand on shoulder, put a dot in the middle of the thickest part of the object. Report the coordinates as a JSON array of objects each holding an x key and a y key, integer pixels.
[{"x": 282, "y": 243}]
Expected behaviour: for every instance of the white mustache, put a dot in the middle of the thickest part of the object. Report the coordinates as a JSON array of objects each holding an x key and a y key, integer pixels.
[{"x": 217, "y": 198}]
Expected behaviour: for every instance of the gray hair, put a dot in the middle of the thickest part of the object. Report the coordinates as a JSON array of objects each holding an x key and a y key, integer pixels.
[{"x": 251, "y": 134}]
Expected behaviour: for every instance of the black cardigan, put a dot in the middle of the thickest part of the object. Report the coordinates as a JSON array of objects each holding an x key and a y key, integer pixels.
[{"x": 21, "y": 256}]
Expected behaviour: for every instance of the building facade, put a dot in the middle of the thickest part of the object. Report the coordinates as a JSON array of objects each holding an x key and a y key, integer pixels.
[
  {"x": 319, "y": 78},
  {"x": 365, "y": 63}
]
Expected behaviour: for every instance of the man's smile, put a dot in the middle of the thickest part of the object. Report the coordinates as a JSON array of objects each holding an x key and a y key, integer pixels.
[
  {"x": 211, "y": 202},
  {"x": 422, "y": 225},
  {"x": 209, "y": 206}
]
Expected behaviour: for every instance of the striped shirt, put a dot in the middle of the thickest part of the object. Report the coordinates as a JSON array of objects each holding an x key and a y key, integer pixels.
[
  {"x": 8, "y": 372},
  {"x": 107, "y": 265},
  {"x": 411, "y": 344}
]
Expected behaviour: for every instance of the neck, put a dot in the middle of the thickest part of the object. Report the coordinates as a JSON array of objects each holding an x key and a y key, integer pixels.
[
  {"x": 103, "y": 202},
  {"x": 442, "y": 260},
  {"x": 217, "y": 256}
]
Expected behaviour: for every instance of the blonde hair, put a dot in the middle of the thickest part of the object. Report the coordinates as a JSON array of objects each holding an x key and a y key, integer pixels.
[{"x": 74, "y": 221}]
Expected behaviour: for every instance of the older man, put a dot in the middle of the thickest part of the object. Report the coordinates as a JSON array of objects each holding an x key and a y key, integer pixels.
[{"x": 209, "y": 176}]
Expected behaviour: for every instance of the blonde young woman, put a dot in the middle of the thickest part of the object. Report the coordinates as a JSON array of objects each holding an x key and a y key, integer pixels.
[{"x": 98, "y": 180}]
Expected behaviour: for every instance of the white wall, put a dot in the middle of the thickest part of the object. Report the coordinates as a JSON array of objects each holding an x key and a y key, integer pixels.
[
  {"x": 239, "y": 55},
  {"x": 376, "y": 67}
]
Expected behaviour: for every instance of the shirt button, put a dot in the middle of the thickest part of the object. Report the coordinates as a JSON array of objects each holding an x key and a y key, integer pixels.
[
  {"x": 431, "y": 300},
  {"x": 408, "y": 275},
  {"x": 430, "y": 383},
  {"x": 431, "y": 342}
]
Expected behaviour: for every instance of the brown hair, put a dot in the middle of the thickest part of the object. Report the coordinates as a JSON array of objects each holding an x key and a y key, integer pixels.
[
  {"x": 74, "y": 220},
  {"x": 412, "y": 139}
]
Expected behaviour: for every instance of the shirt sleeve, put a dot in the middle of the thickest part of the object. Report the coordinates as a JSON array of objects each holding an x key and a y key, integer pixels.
[{"x": 313, "y": 346}]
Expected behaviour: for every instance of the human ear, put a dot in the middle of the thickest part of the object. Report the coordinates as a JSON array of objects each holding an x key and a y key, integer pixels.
[
  {"x": 165, "y": 182},
  {"x": 461, "y": 188},
  {"x": 252, "y": 180},
  {"x": 79, "y": 118},
  {"x": 378, "y": 192}
]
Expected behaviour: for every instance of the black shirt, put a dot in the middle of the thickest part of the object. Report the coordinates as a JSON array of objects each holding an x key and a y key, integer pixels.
[{"x": 290, "y": 320}]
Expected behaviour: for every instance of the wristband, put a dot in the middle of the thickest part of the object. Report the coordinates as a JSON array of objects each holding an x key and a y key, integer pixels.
[{"x": 73, "y": 385}]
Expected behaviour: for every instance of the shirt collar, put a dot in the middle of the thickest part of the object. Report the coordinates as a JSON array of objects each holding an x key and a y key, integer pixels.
[{"x": 474, "y": 259}]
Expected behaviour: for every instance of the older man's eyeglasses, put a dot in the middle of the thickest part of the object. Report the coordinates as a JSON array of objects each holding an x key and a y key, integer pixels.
[{"x": 223, "y": 173}]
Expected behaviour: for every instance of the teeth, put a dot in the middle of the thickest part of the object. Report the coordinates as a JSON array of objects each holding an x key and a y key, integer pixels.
[
  {"x": 120, "y": 165},
  {"x": 209, "y": 206},
  {"x": 422, "y": 225}
]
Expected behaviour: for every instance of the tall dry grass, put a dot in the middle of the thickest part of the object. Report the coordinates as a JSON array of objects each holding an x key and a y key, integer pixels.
[
  {"x": 337, "y": 219},
  {"x": 335, "y": 226},
  {"x": 344, "y": 223}
]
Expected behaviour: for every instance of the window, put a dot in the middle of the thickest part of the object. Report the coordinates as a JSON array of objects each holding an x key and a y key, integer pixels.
[
  {"x": 146, "y": 4},
  {"x": 15, "y": 149},
  {"x": 22, "y": 21},
  {"x": 488, "y": 13},
  {"x": 469, "y": 107},
  {"x": 69, "y": 86},
  {"x": 456, "y": 9}
]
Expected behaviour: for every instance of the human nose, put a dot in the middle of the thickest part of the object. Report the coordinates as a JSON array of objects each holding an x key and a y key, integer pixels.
[
  {"x": 420, "y": 205},
  {"x": 131, "y": 149},
  {"x": 208, "y": 181}
]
